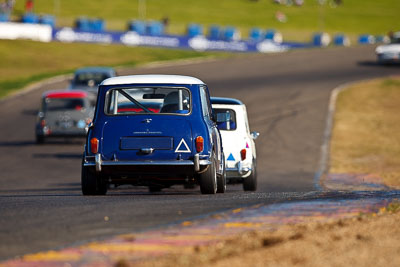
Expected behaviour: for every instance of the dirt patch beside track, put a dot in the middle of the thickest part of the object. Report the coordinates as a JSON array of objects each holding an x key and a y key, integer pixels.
[
  {"x": 365, "y": 134},
  {"x": 366, "y": 240}
]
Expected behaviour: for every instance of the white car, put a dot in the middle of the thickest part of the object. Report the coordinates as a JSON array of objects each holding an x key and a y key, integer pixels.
[
  {"x": 237, "y": 141},
  {"x": 389, "y": 53}
]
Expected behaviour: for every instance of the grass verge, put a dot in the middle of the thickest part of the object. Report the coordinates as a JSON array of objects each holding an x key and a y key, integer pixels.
[
  {"x": 351, "y": 17},
  {"x": 24, "y": 62},
  {"x": 365, "y": 137}
]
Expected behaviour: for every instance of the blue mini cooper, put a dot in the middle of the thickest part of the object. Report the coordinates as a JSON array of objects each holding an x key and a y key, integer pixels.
[{"x": 155, "y": 131}]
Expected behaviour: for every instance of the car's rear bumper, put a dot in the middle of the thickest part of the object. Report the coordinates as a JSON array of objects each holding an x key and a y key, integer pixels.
[
  {"x": 392, "y": 58},
  {"x": 239, "y": 171},
  {"x": 195, "y": 165}
]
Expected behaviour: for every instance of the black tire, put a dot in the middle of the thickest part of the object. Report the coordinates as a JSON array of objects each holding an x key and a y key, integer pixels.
[
  {"x": 221, "y": 179},
  {"x": 208, "y": 179},
  {"x": 250, "y": 182},
  {"x": 92, "y": 183},
  {"x": 39, "y": 139}
]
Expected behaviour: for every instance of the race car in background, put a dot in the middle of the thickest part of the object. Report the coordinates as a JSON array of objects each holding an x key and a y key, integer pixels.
[
  {"x": 237, "y": 140},
  {"x": 88, "y": 78},
  {"x": 63, "y": 113},
  {"x": 389, "y": 53}
]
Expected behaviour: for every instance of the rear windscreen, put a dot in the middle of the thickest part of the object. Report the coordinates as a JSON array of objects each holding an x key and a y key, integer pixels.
[
  {"x": 59, "y": 104},
  {"x": 90, "y": 79},
  {"x": 156, "y": 100}
]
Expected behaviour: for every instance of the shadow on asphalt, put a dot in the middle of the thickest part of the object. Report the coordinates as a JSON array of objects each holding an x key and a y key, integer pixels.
[
  {"x": 376, "y": 64},
  {"x": 79, "y": 194},
  {"x": 74, "y": 189},
  {"x": 17, "y": 143},
  {"x": 34, "y": 190}
]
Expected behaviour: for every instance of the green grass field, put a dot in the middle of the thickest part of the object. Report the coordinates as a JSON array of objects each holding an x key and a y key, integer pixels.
[
  {"x": 22, "y": 62},
  {"x": 352, "y": 17}
]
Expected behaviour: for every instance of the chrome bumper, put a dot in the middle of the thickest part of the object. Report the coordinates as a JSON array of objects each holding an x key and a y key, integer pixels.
[
  {"x": 98, "y": 162},
  {"x": 240, "y": 170}
]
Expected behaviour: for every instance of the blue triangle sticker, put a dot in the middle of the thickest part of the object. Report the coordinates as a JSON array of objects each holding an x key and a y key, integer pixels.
[{"x": 231, "y": 157}]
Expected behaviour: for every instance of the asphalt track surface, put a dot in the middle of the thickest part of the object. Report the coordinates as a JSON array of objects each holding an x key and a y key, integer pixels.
[{"x": 287, "y": 95}]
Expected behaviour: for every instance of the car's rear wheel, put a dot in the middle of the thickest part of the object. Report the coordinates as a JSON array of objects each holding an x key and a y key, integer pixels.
[
  {"x": 208, "y": 179},
  {"x": 221, "y": 179},
  {"x": 250, "y": 182},
  {"x": 92, "y": 183}
]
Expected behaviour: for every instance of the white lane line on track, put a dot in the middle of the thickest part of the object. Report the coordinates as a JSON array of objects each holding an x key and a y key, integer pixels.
[{"x": 323, "y": 162}]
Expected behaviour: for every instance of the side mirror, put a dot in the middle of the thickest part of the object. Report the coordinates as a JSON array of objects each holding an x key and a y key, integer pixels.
[
  {"x": 89, "y": 126},
  {"x": 254, "y": 135},
  {"x": 214, "y": 117}
]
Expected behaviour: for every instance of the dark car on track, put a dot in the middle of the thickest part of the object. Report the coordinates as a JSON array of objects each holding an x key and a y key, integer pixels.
[
  {"x": 63, "y": 113},
  {"x": 88, "y": 79},
  {"x": 155, "y": 131}
]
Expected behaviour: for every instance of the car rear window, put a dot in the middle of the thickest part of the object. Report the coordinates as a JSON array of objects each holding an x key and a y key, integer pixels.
[
  {"x": 226, "y": 119},
  {"x": 155, "y": 100},
  {"x": 60, "y": 104},
  {"x": 90, "y": 79}
]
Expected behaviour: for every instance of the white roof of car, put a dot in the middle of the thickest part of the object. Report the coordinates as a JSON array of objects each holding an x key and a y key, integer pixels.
[
  {"x": 225, "y": 101},
  {"x": 154, "y": 79},
  {"x": 237, "y": 108}
]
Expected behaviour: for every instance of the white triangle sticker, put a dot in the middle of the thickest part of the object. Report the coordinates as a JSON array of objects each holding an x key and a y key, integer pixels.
[{"x": 182, "y": 147}]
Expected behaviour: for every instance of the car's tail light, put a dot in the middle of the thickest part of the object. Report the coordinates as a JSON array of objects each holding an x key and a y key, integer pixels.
[
  {"x": 94, "y": 145},
  {"x": 243, "y": 154},
  {"x": 199, "y": 143}
]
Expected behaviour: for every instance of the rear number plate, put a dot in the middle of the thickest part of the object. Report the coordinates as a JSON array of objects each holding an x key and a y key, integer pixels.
[{"x": 132, "y": 143}]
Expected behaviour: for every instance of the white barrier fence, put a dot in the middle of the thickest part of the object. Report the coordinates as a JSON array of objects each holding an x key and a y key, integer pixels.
[
  {"x": 35, "y": 32},
  {"x": 45, "y": 33}
]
